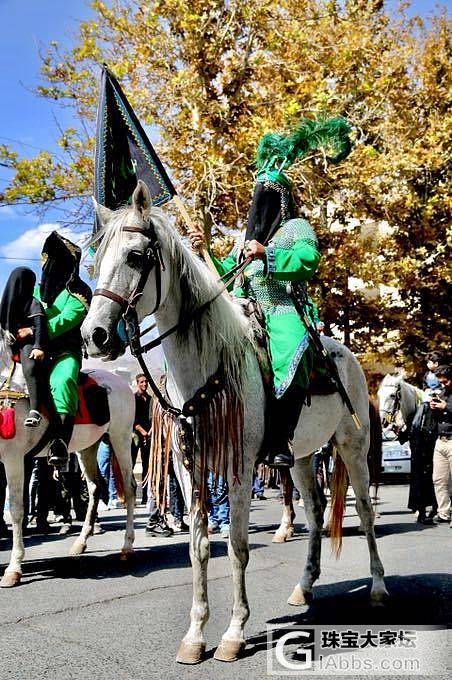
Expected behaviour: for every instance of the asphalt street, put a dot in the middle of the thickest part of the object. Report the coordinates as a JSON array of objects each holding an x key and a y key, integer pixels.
[{"x": 93, "y": 616}]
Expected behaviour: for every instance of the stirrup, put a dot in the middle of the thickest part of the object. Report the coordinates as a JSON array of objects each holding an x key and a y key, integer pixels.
[
  {"x": 33, "y": 419},
  {"x": 58, "y": 454},
  {"x": 283, "y": 459}
]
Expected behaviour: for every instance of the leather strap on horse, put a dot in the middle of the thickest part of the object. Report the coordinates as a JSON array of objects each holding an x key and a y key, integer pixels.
[
  {"x": 153, "y": 259},
  {"x": 300, "y": 300},
  {"x": 132, "y": 328}
]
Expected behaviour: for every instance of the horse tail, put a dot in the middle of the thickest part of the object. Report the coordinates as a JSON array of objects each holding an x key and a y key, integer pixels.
[
  {"x": 339, "y": 485},
  {"x": 375, "y": 453},
  {"x": 117, "y": 475}
]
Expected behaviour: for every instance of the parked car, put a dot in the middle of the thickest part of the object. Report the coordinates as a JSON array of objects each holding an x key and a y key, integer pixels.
[{"x": 396, "y": 458}]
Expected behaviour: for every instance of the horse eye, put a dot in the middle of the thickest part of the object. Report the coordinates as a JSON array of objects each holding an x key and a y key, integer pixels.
[{"x": 135, "y": 259}]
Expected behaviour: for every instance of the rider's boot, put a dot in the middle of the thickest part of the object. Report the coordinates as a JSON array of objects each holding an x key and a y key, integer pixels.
[
  {"x": 282, "y": 418},
  {"x": 58, "y": 452}
]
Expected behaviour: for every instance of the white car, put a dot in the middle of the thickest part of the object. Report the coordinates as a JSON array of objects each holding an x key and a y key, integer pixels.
[{"x": 396, "y": 458}]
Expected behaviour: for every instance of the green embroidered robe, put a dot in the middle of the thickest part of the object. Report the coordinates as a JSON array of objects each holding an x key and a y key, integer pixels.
[{"x": 291, "y": 255}]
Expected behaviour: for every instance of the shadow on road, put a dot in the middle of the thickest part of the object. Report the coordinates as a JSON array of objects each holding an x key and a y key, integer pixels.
[
  {"x": 107, "y": 565},
  {"x": 416, "y": 600}
]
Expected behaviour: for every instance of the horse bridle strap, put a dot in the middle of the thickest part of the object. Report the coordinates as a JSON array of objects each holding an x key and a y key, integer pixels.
[
  {"x": 111, "y": 296},
  {"x": 395, "y": 406},
  {"x": 153, "y": 256},
  {"x": 129, "y": 315}
]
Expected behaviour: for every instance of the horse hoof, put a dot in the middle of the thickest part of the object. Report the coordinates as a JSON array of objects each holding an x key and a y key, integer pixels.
[
  {"x": 77, "y": 548},
  {"x": 97, "y": 529},
  {"x": 126, "y": 554},
  {"x": 279, "y": 537},
  {"x": 299, "y": 598},
  {"x": 10, "y": 579},
  {"x": 229, "y": 650},
  {"x": 190, "y": 653},
  {"x": 290, "y": 531}
]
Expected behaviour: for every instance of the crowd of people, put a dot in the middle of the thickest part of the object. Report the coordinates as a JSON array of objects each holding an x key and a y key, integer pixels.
[{"x": 430, "y": 437}]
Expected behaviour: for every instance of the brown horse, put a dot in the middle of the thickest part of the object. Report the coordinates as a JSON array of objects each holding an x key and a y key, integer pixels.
[{"x": 286, "y": 528}]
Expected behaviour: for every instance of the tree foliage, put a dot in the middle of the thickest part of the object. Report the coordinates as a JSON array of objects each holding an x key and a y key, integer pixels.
[{"x": 211, "y": 76}]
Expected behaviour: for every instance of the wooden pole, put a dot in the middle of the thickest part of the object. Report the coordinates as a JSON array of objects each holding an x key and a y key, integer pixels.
[{"x": 191, "y": 226}]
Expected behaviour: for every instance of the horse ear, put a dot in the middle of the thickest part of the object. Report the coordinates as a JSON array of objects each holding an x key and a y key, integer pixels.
[
  {"x": 141, "y": 199},
  {"x": 102, "y": 212}
]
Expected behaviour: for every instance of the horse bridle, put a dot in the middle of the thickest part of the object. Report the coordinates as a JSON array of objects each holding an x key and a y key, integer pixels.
[
  {"x": 152, "y": 259},
  {"x": 390, "y": 415}
]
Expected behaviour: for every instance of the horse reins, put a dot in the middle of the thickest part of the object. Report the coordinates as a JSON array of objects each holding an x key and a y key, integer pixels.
[
  {"x": 390, "y": 415},
  {"x": 154, "y": 260}
]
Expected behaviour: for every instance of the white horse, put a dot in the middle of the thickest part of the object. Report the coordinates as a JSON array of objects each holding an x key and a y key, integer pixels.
[
  {"x": 398, "y": 401},
  {"x": 84, "y": 441},
  {"x": 222, "y": 333}
]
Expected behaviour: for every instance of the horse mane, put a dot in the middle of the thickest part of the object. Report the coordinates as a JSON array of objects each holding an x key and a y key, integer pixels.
[{"x": 222, "y": 330}]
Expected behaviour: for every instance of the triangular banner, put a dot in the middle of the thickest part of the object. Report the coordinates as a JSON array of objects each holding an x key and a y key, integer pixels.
[{"x": 124, "y": 153}]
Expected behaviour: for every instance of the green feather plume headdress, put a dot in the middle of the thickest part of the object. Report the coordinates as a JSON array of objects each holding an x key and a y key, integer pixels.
[{"x": 278, "y": 151}]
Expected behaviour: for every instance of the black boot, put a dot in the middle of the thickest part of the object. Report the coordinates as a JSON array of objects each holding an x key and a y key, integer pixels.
[
  {"x": 281, "y": 420},
  {"x": 59, "y": 453}
]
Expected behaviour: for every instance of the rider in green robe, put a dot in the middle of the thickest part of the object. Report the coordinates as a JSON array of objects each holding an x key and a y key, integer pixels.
[
  {"x": 66, "y": 300},
  {"x": 284, "y": 249}
]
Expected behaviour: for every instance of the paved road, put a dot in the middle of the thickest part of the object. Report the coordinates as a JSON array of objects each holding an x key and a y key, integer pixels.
[{"x": 91, "y": 616}]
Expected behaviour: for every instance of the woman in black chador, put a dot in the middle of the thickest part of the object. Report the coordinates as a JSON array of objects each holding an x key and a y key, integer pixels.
[{"x": 23, "y": 318}]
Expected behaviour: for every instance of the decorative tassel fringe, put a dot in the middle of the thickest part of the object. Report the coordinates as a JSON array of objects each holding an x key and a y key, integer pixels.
[{"x": 217, "y": 429}]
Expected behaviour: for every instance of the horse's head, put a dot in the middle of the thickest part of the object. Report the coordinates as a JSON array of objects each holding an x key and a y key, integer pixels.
[
  {"x": 132, "y": 273},
  {"x": 389, "y": 398}
]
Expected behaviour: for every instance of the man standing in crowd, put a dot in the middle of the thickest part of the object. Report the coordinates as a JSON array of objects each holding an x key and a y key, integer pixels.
[
  {"x": 156, "y": 525},
  {"x": 442, "y": 455},
  {"x": 142, "y": 429}
]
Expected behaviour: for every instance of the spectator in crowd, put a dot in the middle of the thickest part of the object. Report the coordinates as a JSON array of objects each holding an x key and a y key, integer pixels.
[
  {"x": 257, "y": 490},
  {"x": 104, "y": 454},
  {"x": 142, "y": 429},
  {"x": 219, "y": 506},
  {"x": 38, "y": 494},
  {"x": 422, "y": 437},
  {"x": 430, "y": 381},
  {"x": 441, "y": 405},
  {"x": 70, "y": 491},
  {"x": 176, "y": 501},
  {"x": 156, "y": 525}
]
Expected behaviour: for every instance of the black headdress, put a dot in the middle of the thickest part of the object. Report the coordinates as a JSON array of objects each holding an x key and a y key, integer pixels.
[
  {"x": 271, "y": 206},
  {"x": 17, "y": 299},
  {"x": 272, "y": 203},
  {"x": 60, "y": 269}
]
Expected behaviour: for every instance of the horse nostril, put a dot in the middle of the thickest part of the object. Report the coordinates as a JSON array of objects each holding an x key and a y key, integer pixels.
[{"x": 99, "y": 337}]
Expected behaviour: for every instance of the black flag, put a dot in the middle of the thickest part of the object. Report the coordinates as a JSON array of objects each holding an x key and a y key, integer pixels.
[{"x": 124, "y": 153}]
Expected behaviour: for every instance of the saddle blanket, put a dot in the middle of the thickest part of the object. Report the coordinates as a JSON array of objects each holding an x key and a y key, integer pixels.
[
  {"x": 92, "y": 402},
  {"x": 92, "y": 407}
]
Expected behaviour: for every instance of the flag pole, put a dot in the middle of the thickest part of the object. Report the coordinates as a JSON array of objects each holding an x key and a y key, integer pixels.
[{"x": 191, "y": 226}]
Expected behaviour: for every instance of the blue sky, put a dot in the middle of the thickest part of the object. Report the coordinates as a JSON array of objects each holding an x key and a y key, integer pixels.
[
  {"x": 26, "y": 26},
  {"x": 27, "y": 122}
]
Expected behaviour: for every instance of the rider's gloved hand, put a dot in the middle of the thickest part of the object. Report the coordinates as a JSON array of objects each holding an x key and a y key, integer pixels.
[{"x": 196, "y": 238}]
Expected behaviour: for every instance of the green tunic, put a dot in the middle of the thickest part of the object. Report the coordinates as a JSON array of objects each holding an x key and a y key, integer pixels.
[
  {"x": 64, "y": 318},
  {"x": 291, "y": 255}
]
